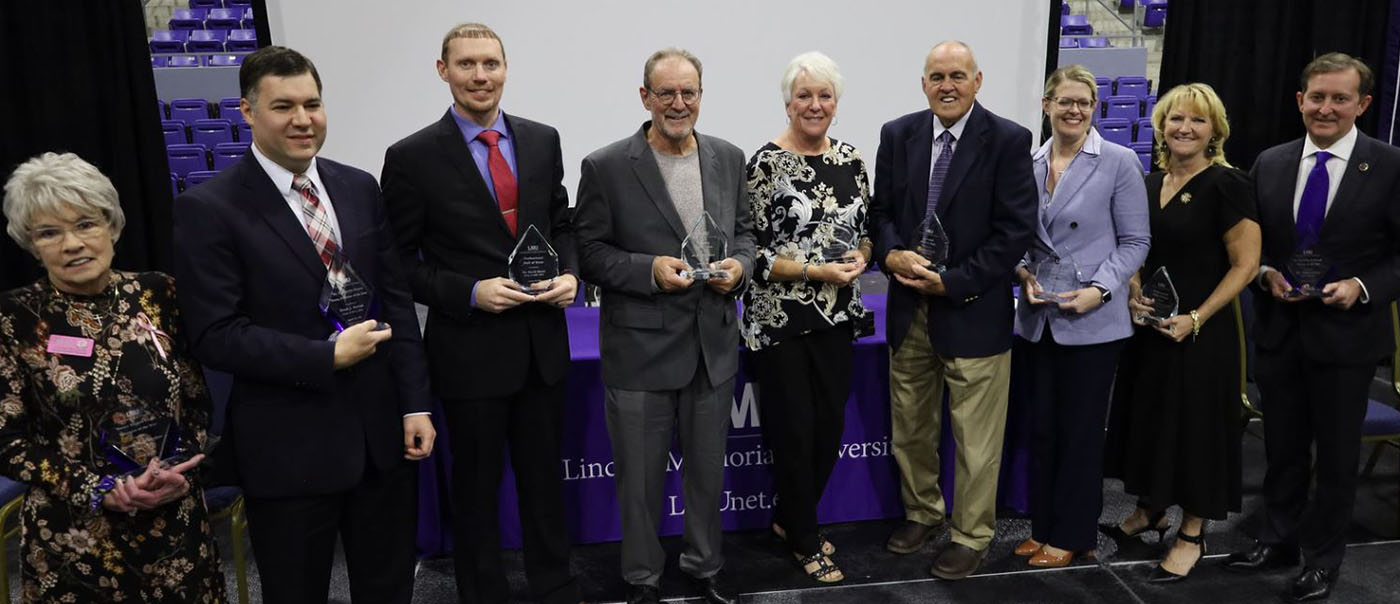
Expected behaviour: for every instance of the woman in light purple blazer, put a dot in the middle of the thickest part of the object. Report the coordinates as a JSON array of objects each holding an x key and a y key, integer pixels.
[{"x": 1091, "y": 238}]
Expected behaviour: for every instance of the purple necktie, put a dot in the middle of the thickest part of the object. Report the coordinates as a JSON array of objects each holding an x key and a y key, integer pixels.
[
  {"x": 1312, "y": 206},
  {"x": 940, "y": 170}
]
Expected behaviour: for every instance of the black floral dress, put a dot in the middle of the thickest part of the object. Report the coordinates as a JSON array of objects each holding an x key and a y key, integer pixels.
[
  {"x": 53, "y": 410},
  {"x": 799, "y": 205}
]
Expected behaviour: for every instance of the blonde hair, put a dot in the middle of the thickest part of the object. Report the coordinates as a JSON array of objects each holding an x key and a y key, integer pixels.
[
  {"x": 1200, "y": 98},
  {"x": 471, "y": 30},
  {"x": 1072, "y": 73},
  {"x": 51, "y": 181}
]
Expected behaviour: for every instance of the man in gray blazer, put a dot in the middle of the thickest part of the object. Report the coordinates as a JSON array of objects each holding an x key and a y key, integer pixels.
[{"x": 670, "y": 345}]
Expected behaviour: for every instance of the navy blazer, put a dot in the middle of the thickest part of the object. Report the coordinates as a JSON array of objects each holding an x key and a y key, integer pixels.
[
  {"x": 1360, "y": 236},
  {"x": 250, "y": 280},
  {"x": 988, "y": 208},
  {"x": 1097, "y": 217},
  {"x": 451, "y": 234}
]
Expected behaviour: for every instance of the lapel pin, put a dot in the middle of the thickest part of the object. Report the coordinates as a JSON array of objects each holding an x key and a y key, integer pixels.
[
  {"x": 1363, "y": 166},
  {"x": 1185, "y": 198}
]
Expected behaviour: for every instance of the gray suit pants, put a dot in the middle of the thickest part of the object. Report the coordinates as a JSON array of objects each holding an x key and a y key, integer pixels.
[{"x": 640, "y": 425}]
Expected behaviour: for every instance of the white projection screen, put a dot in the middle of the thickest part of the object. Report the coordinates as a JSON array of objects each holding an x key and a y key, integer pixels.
[{"x": 577, "y": 65}]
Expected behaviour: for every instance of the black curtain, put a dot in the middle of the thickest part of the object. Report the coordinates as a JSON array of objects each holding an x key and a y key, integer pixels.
[
  {"x": 1252, "y": 51},
  {"x": 78, "y": 78}
]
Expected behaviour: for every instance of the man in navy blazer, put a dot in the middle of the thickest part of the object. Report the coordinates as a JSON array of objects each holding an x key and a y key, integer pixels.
[
  {"x": 1334, "y": 191},
  {"x": 973, "y": 169},
  {"x": 320, "y": 421}
]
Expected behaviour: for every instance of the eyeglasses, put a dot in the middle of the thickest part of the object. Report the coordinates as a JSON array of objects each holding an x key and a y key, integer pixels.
[
  {"x": 667, "y": 97},
  {"x": 86, "y": 229},
  {"x": 1064, "y": 103}
]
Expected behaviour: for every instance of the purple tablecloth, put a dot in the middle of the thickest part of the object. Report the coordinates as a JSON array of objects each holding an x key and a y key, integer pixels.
[{"x": 864, "y": 485}]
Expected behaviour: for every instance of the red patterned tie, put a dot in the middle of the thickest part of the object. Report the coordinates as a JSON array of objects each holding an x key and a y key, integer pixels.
[
  {"x": 318, "y": 223},
  {"x": 500, "y": 177}
]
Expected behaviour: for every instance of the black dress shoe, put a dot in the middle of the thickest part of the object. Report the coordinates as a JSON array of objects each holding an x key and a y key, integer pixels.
[
  {"x": 1263, "y": 557},
  {"x": 711, "y": 592},
  {"x": 1312, "y": 584},
  {"x": 643, "y": 594}
]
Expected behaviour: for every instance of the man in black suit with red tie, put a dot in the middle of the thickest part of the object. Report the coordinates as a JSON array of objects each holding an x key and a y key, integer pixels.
[
  {"x": 321, "y": 420},
  {"x": 1334, "y": 193},
  {"x": 460, "y": 193}
]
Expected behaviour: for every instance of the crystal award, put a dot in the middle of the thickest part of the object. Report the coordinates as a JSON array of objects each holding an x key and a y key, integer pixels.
[
  {"x": 933, "y": 242},
  {"x": 1160, "y": 290},
  {"x": 836, "y": 241},
  {"x": 533, "y": 261},
  {"x": 131, "y": 438},
  {"x": 1057, "y": 275},
  {"x": 346, "y": 299},
  {"x": 703, "y": 249},
  {"x": 1307, "y": 271}
]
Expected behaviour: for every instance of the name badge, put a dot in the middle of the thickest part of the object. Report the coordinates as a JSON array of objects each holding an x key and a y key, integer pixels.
[{"x": 71, "y": 346}]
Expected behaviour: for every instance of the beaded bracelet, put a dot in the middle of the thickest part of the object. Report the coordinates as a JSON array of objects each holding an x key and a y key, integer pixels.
[{"x": 100, "y": 491}]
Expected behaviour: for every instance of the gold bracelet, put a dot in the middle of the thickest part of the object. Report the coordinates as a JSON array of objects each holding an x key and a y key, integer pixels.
[{"x": 1195, "y": 325}]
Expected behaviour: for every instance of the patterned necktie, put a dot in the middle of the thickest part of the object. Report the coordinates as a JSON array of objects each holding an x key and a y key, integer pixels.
[
  {"x": 1312, "y": 206},
  {"x": 501, "y": 177},
  {"x": 940, "y": 171},
  {"x": 318, "y": 223}
]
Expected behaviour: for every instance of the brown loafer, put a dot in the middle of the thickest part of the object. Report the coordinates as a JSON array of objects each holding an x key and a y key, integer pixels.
[
  {"x": 911, "y": 536},
  {"x": 957, "y": 561},
  {"x": 1044, "y": 559},
  {"x": 1029, "y": 547}
]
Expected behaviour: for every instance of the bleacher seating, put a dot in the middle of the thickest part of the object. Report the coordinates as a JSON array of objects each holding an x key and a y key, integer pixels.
[
  {"x": 174, "y": 132},
  {"x": 227, "y": 154},
  {"x": 1143, "y": 132},
  {"x": 1105, "y": 86},
  {"x": 188, "y": 18},
  {"x": 206, "y": 40},
  {"x": 1144, "y": 153},
  {"x": 189, "y": 110},
  {"x": 1148, "y": 105},
  {"x": 198, "y": 176},
  {"x": 211, "y": 132},
  {"x": 1120, "y": 106},
  {"x": 186, "y": 158},
  {"x": 228, "y": 109},
  {"x": 1131, "y": 85},
  {"x": 245, "y": 132},
  {"x": 224, "y": 18},
  {"x": 168, "y": 40},
  {"x": 1155, "y": 14},
  {"x": 241, "y": 40},
  {"x": 1116, "y": 130},
  {"x": 1075, "y": 25}
]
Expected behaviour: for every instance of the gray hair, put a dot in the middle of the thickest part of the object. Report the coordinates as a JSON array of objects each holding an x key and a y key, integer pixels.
[
  {"x": 51, "y": 181},
  {"x": 668, "y": 53},
  {"x": 817, "y": 65}
]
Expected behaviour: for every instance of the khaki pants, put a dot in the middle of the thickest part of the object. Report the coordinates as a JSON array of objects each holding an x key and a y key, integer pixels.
[{"x": 977, "y": 391}]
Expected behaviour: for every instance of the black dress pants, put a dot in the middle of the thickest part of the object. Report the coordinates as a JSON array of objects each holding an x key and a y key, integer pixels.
[{"x": 804, "y": 382}]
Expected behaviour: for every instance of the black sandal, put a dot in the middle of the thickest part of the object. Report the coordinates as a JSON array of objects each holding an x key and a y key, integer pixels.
[
  {"x": 827, "y": 547},
  {"x": 824, "y": 570}
]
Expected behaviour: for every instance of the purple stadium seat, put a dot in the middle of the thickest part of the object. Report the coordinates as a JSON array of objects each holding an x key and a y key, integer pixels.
[
  {"x": 186, "y": 158},
  {"x": 1075, "y": 25},
  {"x": 159, "y": 61},
  {"x": 189, "y": 110},
  {"x": 1131, "y": 85},
  {"x": 174, "y": 185},
  {"x": 223, "y": 60},
  {"x": 206, "y": 40},
  {"x": 228, "y": 109},
  {"x": 1144, "y": 153},
  {"x": 1156, "y": 14},
  {"x": 238, "y": 3},
  {"x": 1148, "y": 105},
  {"x": 161, "y": 106},
  {"x": 224, "y": 18},
  {"x": 168, "y": 41},
  {"x": 211, "y": 132},
  {"x": 182, "y": 61},
  {"x": 241, "y": 40},
  {"x": 1143, "y": 132},
  {"x": 1069, "y": 42},
  {"x": 227, "y": 154},
  {"x": 245, "y": 132},
  {"x": 187, "y": 18},
  {"x": 174, "y": 132},
  {"x": 1123, "y": 5},
  {"x": 193, "y": 179},
  {"x": 248, "y": 21},
  {"x": 1120, "y": 106},
  {"x": 206, "y": 3},
  {"x": 1116, "y": 130},
  {"x": 1097, "y": 42}
]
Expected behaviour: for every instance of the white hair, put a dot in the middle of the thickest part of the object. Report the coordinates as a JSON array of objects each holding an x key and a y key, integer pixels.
[
  {"x": 51, "y": 181},
  {"x": 817, "y": 65}
]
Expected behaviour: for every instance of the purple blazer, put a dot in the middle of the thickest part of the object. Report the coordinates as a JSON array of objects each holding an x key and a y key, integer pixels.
[{"x": 1098, "y": 216}]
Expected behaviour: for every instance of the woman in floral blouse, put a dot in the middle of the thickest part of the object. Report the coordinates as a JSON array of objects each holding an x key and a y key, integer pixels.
[
  {"x": 802, "y": 311},
  {"x": 95, "y": 385}
]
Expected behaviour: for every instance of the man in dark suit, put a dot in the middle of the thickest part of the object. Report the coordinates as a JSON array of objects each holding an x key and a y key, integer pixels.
[
  {"x": 669, "y": 345},
  {"x": 460, "y": 192},
  {"x": 1333, "y": 192},
  {"x": 973, "y": 169},
  {"x": 320, "y": 418}
]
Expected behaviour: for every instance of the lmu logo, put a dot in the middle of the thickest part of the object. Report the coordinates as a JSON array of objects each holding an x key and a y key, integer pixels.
[{"x": 744, "y": 412}]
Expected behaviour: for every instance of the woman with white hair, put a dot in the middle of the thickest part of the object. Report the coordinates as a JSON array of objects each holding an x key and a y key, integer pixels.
[
  {"x": 102, "y": 413},
  {"x": 808, "y": 194}
]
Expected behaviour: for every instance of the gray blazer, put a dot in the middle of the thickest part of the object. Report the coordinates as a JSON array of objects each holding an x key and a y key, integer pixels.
[
  {"x": 1098, "y": 217},
  {"x": 651, "y": 340}
]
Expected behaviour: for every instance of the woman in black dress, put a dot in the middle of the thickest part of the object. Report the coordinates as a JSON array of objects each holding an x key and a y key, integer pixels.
[
  {"x": 802, "y": 310},
  {"x": 1174, "y": 426},
  {"x": 92, "y": 370}
]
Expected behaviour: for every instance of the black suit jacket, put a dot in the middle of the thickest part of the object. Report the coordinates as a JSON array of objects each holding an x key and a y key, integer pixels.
[
  {"x": 250, "y": 280},
  {"x": 1360, "y": 237},
  {"x": 451, "y": 234},
  {"x": 988, "y": 208}
]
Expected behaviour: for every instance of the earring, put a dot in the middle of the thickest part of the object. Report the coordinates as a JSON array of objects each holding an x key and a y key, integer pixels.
[
  {"x": 1210, "y": 147},
  {"x": 1163, "y": 146}
]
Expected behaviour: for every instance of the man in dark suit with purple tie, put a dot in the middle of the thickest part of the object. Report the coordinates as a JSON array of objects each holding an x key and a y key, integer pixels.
[{"x": 1332, "y": 193}]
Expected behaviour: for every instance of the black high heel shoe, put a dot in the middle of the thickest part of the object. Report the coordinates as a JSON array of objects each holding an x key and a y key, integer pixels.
[
  {"x": 1162, "y": 575},
  {"x": 1155, "y": 523}
]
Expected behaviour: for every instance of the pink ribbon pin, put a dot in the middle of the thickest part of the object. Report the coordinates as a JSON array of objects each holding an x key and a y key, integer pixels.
[{"x": 145, "y": 323}]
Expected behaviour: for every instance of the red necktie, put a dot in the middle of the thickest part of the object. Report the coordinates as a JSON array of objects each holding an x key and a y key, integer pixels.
[
  {"x": 500, "y": 177},
  {"x": 318, "y": 224}
]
